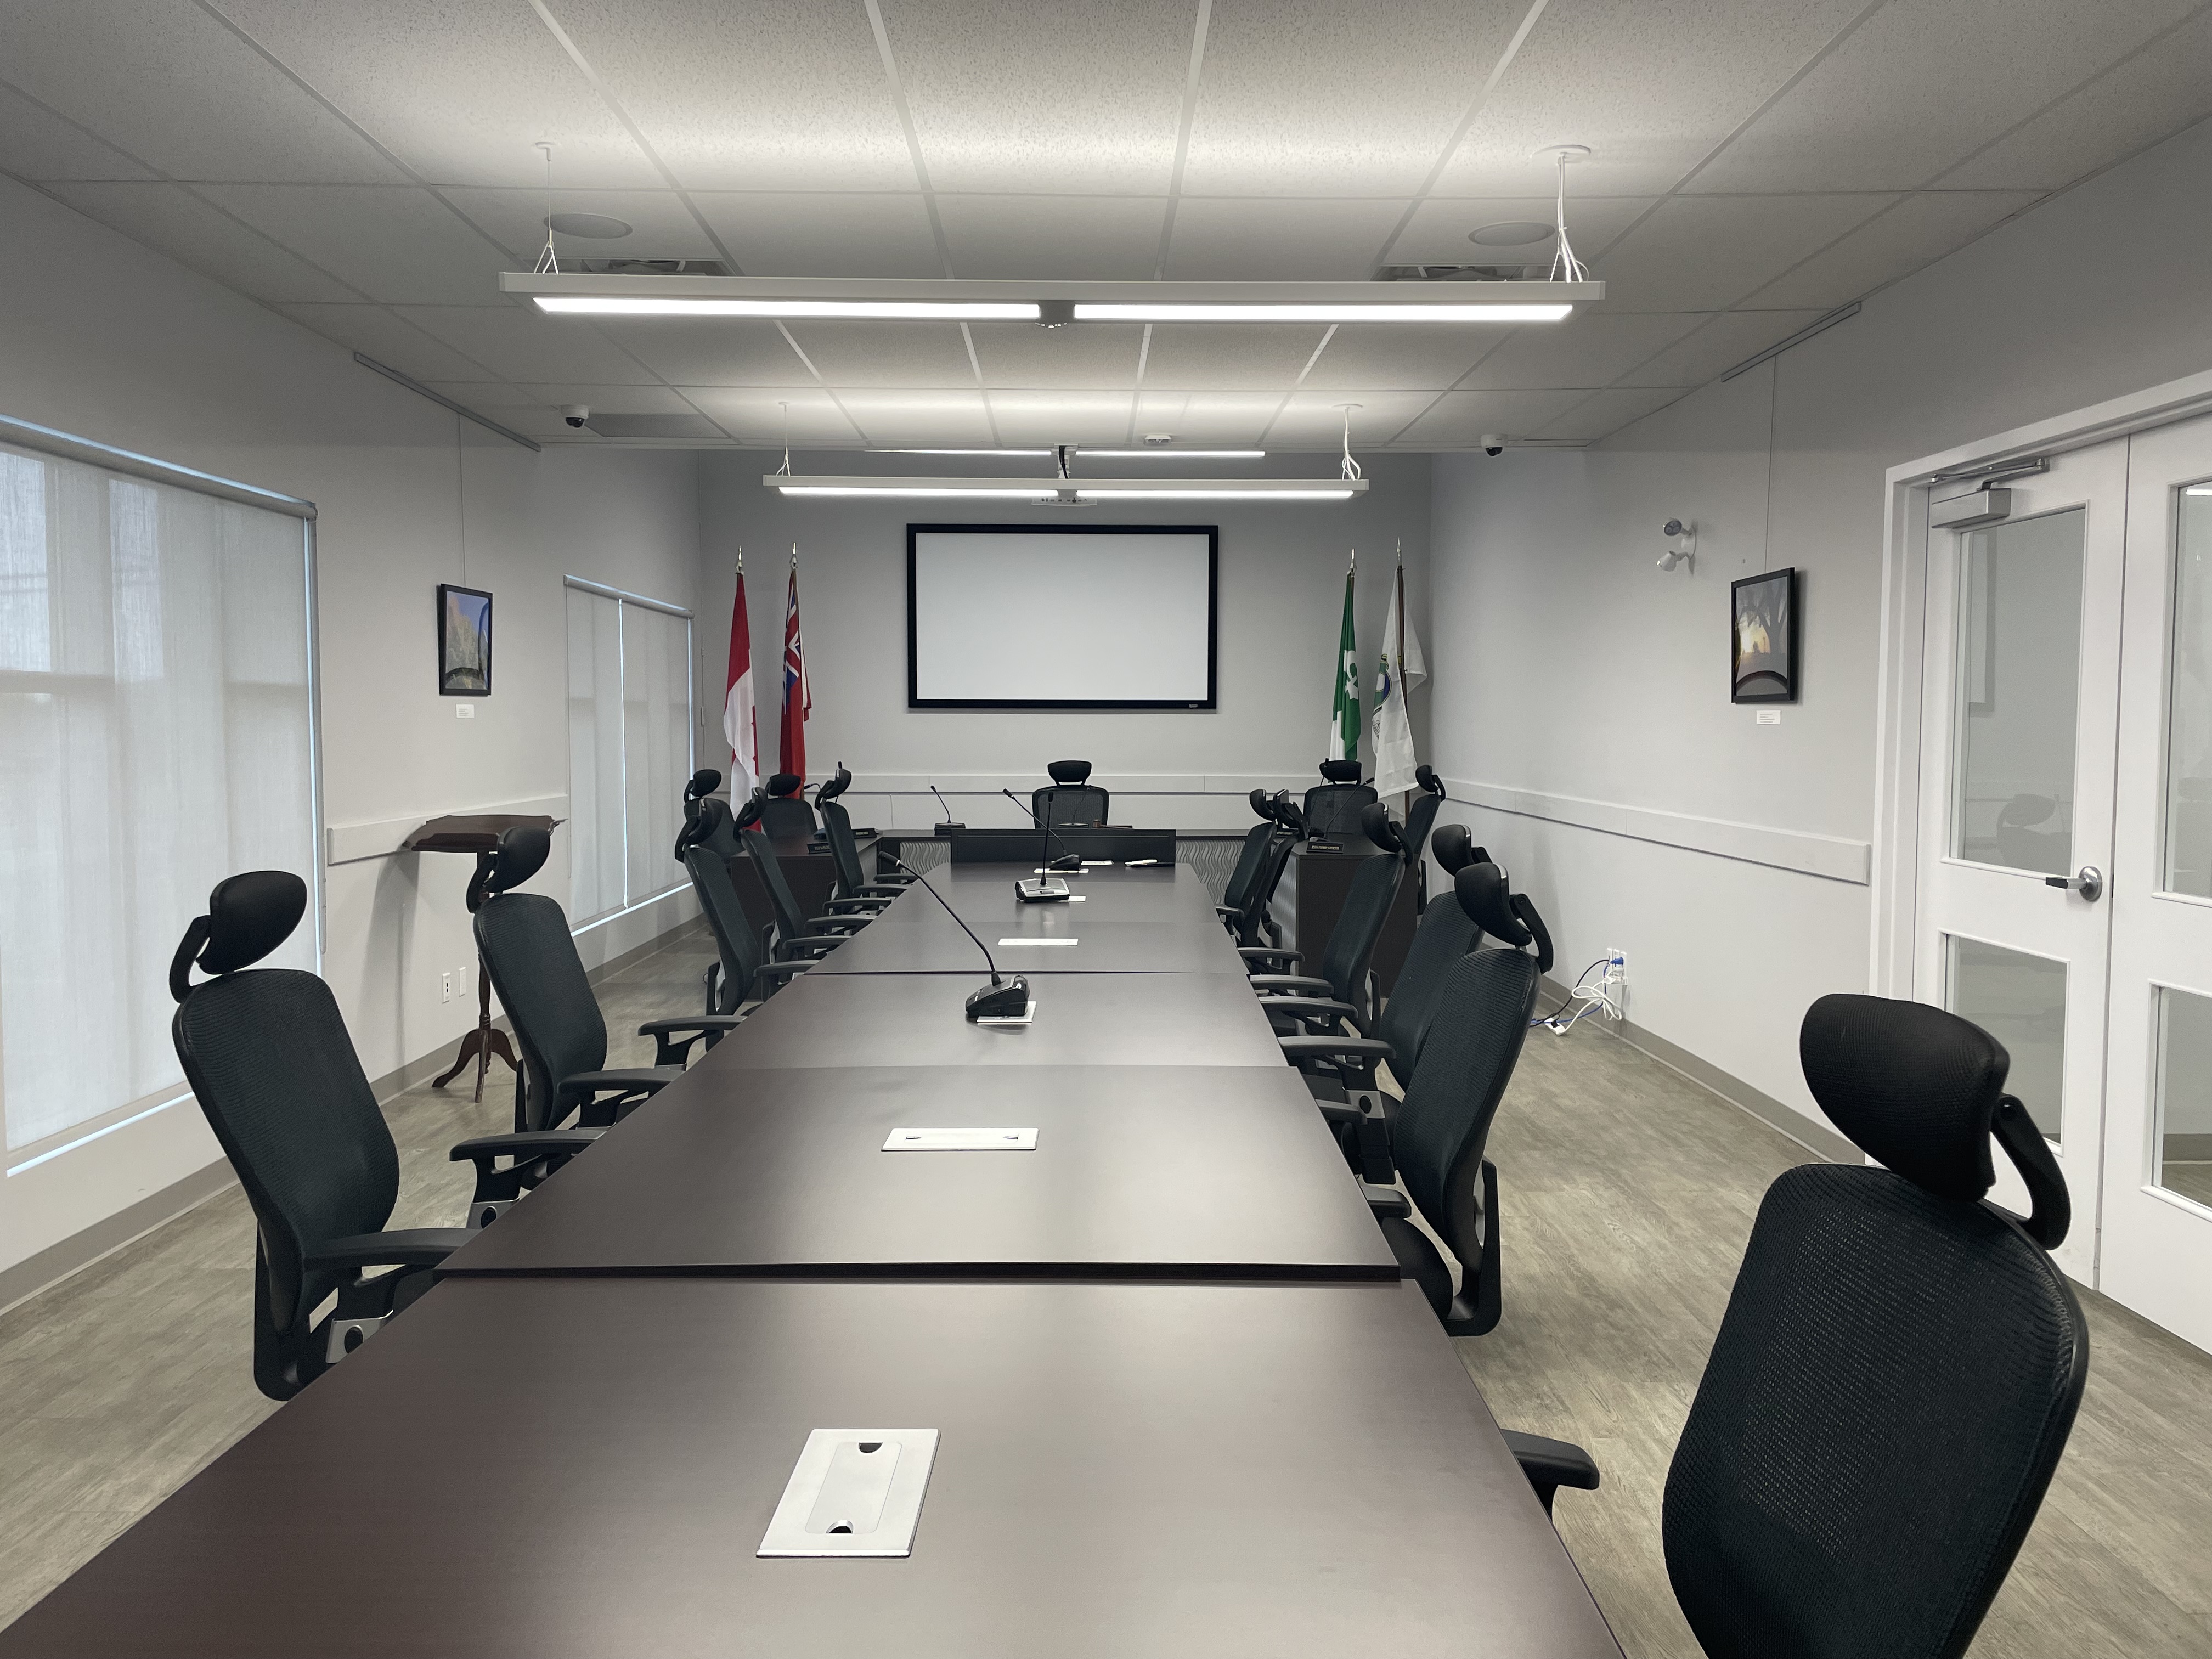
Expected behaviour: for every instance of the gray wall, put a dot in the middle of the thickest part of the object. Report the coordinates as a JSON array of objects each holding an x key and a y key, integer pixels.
[{"x": 1588, "y": 691}]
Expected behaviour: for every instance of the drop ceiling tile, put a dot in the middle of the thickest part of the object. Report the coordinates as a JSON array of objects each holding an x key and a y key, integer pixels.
[
  {"x": 772, "y": 94},
  {"x": 1101, "y": 237},
  {"x": 1230, "y": 240},
  {"x": 170, "y": 219},
  {"x": 1604, "y": 413},
  {"x": 461, "y": 93},
  {"x": 1919, "y": 229},
  {"x": 997, "y": 106},
  {"x": 1651, "y": 87},
  {"x": 1312, "y": 98},
  {"x": 172, "y": 86},
  {"x": 35, "y": 143},
  {"x": 1718, "y": 345},
  {"x": 708, "y": 351},
  {"x": 1406, "y": 356},
  {"x": 1230, "y": 357},
  {"x": 1062, "y": 418},
  {"x": 1459, "y": 420},
  {"x": 1087, "y": 356},
  {"x": 760, "y": 415},
  {"x": 1594, "y": 350},
  {"x": 1438, "y": 233},
  {"x": 886, "y": 354},
  {"x": 661, "y": 227},
  {"x": 772, "y": 234},
  {"x": 523, "y": 345},
  {"x": 2164, "y": 87},
  {"x": 607, "y": 399},
  {"x": 488, "y": 397},
  {"x": 398, "y": 245},
  {"x": 1707, "y": 252},
  {"x": 1314, "y": 420},
  {"x": 391, "y": 340},
  {"x": 1922, "y": 85},
  {"x": 918, "y": 417},
  {"x": 1197, "y": 419}
]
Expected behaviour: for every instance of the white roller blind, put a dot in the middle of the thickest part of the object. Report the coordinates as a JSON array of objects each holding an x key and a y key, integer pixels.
[
  {"x": 629, "y": 749},
  {"x": 155, "y": 736}
]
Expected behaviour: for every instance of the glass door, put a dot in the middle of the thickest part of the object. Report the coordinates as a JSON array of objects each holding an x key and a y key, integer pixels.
[
  {"x": 2157, "y": 1250},
  {"x": 2019, "y": 707}
]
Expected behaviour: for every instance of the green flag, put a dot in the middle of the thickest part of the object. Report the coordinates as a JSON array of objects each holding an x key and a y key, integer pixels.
[{"x": 1344, "y": 716}]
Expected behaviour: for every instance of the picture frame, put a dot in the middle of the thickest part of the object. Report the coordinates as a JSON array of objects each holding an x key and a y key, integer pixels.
[
  {"x": 464, "y": 641},
  {"x": 1763, "y": 638}
]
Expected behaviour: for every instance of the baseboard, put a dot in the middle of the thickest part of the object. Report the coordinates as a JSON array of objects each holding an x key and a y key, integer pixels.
[
  {"x": 42, "y": 1271},
  {"x": 1815, "y": 1138}
]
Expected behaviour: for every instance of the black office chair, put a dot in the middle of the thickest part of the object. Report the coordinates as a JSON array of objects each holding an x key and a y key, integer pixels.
[
  {"x": 1333, "y": 807},
  {"x": 790, "y": 937},
  {"x": 697, "y": 830},
  {"x": 1338, "y": 1054},
  {"x": 1898, "y": 1371},
  {"x": 740, "y": 976},
  {"x": 269, "y": 1060},
  {"x": 1236, "y": 894},
  {"x": 532, "y": 958},
  {"x": 853, "y": 882},
  {"x": 785, "y": 814},
  {"x": 1436, "y": 1135},
  {"x": 1069, "y": 799},
  {"x": 1344, "y": 976}
]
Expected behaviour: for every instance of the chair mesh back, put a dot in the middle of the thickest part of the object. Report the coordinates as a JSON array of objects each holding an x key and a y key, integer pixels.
[
  {"x": 789, "y": 924},
  {"x": 787, "y": 818},
  {"x": 714, "y": 828},
  {"x": 1419, "y": 817},
  {"x": 268, "y": 1058},
  {"x": 1888, "y": 1394},
  {"x": 1061, "y": 803},
  {"x": 1333, "y": 809},
  {"x": 1467, "y": 1059},
  {"x": 534, "y": 967},
  {"x": 844, "y": 851},
  {"x": 734, "y": 940},
  {"x": 1446, "y": 934},
  {"x": 1351, "y": 941},
  {"x": 1250, "y": 861}
]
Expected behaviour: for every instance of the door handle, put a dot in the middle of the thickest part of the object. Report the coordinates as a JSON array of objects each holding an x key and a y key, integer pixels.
[{"x": 2090, "y": 883}]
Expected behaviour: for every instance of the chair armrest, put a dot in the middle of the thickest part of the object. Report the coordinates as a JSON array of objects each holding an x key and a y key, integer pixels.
[
  {"x": 840, "y": 907},
  {"x": 1262, "y": 953},
  {"x": 1312, "y": 1008},
  {"x": 1386, "y": 1201},
  {"x": 413, "y": 1247},
  {"x": 671, "y": 1052},
  {"x": 1265, "y": 983},
  {"x": 602, "y": 1097},
  {"x": 523, "y": 1148},
  {"x": 1552, "y": 1464},
  {"x": 824, "y": 925},
  {"x": 809, "y": 948},
  {"x": 785, "y": 971},
  {"x": 1329, "y": 1047}
]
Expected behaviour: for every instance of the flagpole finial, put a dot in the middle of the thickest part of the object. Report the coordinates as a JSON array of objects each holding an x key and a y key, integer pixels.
[{"x": 741, "y": 561}]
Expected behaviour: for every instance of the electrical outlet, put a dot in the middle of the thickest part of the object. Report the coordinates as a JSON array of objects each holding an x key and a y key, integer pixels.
[
  {"x": 465, "y": 711},
  {"x": 445, "y": 988}
]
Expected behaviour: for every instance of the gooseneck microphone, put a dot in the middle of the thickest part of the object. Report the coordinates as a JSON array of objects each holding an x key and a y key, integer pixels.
[
  {"x": 1001, "y": 998},
  {"x": 949, "y": 824},
  {"x": 1044, "y": 824}
]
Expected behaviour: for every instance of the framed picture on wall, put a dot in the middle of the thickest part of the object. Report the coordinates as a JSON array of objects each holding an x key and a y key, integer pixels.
[
  {"x": 1763, "y": 638},
  {"x": 464, "y": 641}
]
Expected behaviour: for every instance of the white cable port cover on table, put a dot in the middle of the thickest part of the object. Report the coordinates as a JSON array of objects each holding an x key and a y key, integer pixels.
[
  {"x": 853, "y": 1492},
  {"x": 961, "y": 1140},
  {"x": 1031, "y": 939}
]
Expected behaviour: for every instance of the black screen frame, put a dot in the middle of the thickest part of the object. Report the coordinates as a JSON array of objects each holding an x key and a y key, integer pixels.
[{"x": 1212, "y": 534}]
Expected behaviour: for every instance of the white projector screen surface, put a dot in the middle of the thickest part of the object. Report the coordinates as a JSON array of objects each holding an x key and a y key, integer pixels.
[{"x": 1013, "y": 618}]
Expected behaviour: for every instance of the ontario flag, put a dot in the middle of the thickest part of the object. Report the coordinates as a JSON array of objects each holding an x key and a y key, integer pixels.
[
  {"x": 740, "y": 726},
  {"x": 798, "y": 700}
]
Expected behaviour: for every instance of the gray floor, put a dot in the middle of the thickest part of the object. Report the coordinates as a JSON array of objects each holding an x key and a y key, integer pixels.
[{"x": 1627, "y": 1194}]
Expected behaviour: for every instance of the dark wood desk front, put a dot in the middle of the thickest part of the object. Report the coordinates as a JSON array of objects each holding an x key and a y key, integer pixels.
[
  {"x": 1138, "y": 1172},
  {"x": 1082, "y": 1019},
  {"x": 542, "y": 1468},
  {"x": 808, "y": 871},
  {"x": 1311, "y": 896}
]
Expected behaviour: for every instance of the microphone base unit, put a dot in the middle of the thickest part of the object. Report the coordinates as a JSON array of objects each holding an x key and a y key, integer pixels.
[
  {"x": 945, "y": 831},
  {"x": 1000, "y": 1001},
  {"x": 1042, "y": 890}
]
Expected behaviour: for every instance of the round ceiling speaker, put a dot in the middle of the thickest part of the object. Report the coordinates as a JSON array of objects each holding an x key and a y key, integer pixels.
[
  {"x": 596, "y": 226},
  {"x": 1512, "y": 233}
]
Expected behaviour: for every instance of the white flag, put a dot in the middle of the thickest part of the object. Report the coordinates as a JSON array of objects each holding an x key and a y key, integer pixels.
[{"x": 1401, "y": 669}]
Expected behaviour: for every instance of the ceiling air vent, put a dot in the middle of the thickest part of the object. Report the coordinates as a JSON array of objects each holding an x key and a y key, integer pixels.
[
  {"x": 635, "y": 267},
  {"x": 651, "y": 426},
  {"x": 1513, "y": 273}
]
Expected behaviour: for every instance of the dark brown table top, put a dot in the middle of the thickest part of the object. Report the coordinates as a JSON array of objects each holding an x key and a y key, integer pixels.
[
  {"x": 1207, "y": 1171},
  {"x": 1082, "y": 1019},
  {"x": 550, "y": 1467},
  {"x": 1145, "y": 920}
]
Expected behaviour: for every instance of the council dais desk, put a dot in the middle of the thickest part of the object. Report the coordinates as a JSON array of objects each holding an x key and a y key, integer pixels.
[
  {"x": 542, "y": 1468},
  {"x": 1205, "y": 1171}
]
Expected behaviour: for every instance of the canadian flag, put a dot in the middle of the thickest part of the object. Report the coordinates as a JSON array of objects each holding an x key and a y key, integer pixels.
[{"x": 739, "y": 725}]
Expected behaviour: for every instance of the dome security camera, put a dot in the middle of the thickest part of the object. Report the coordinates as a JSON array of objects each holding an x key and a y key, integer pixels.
[
  {"x": 1493, "y": 443},
  {"x": 575, "y": 414}
]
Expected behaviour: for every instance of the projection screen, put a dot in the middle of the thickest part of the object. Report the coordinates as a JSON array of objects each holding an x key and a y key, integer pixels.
[{"x": 1070, "y": 616}]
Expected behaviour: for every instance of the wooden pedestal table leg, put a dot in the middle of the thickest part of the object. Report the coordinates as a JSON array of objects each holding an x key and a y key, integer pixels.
[{"x": 482, "y": 1043}]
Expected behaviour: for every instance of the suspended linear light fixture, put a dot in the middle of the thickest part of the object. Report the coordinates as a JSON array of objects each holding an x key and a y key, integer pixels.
[{"x": 1048, "y": 490}]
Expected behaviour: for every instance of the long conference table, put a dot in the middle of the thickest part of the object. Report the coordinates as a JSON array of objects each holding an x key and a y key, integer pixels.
[{"x": 1183, "y": 1402}]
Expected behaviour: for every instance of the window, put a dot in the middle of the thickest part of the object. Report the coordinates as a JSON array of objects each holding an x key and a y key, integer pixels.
[
  {"x": 155, "y": 718},
  {"x": 629, "y": 747}
]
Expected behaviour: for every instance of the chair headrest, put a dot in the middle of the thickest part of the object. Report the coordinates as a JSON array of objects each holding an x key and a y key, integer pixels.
[
  {"x": 1374, "y": 824},
  {"x": 704, "y": 781},
  {"x": 1286, "y": 811},
  {"x": 1913, "y": 1085},
  {"x": 1427, "y": 778},
  {"x": 785, "y": 783},
  {"x": 1340, "y": 771},
  {"x": 838, "y": 784},
  {"x": 1454, "y": 847},
  {"x": 1069, "y": 771},
  {"x": 1260, "y": 804},
  {"x": 520, "y": 854},
  {"x": 749, "y": 813},
  {"x": 1484, "y": 895},
  {"x": 248, "y": 916}
]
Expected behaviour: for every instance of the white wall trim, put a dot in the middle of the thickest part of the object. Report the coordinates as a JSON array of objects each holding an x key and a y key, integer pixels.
[
  {"x": 1831, "y": 858},
  {"x": 349, "y": 843},
  {"x": 1120, "y": 783}
]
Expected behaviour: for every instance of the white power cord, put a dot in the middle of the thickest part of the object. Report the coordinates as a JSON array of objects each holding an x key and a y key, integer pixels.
[{"x": 1602, "y": 997}]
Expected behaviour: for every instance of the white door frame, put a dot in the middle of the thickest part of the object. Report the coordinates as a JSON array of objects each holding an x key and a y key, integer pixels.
[{"x": 1897, "y": 782}]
